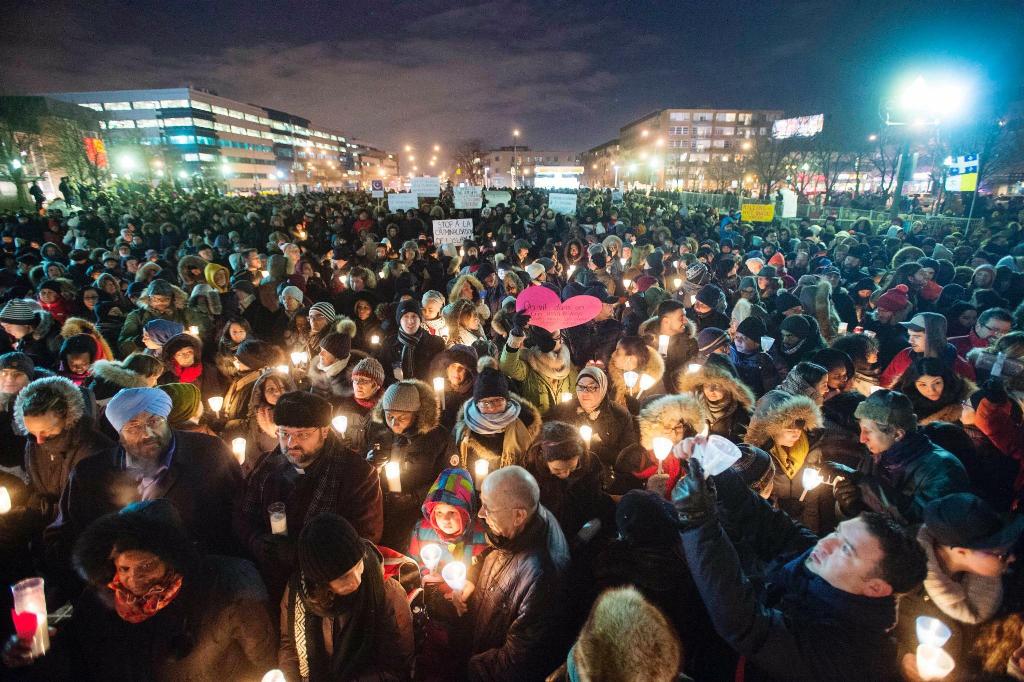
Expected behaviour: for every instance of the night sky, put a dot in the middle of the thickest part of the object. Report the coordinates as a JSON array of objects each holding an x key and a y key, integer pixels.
[{"x": 567, "y": 73}]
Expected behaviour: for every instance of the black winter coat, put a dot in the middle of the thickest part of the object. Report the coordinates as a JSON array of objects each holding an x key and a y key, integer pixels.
[
  {"x": 418, "y": 367},
  {"x": 614, "y": 429}
]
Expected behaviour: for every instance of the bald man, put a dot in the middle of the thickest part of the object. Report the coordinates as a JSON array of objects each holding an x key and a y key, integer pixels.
[{"x": 517, "y": 634}]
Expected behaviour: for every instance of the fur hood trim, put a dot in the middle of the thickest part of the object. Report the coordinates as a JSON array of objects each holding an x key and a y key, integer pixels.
[
  {"x": 650, "y": 327},
  {"x": 114, "y": 373},
  {"x": 610, "y": 241},
  {"x": 453, "y": 293},
  {"x": 72, "y": 396},
  {"x": 74, "y": 326},
  {"x": 529, "y": 415},
  {"x": 659, "y": 417},
  {"x": 654, "y": 367},
  {"x": 188, "y": 262},
  {"x": 44, "y": 325},
  {"x": 178, "y": 342},
  {"x": 775, "y": 411},
  {"x": 429, "y": 414},
  {"x": 344, "y": 325},
  {"x": 180, "y": 300},
  {"x": 691, "y": 382}
]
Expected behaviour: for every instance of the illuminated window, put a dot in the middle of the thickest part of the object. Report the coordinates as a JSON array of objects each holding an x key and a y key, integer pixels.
[
  {"x": 201, "y": 106},
  {"x": 117, "y": 106},
  {"x": 191, "y": 157},
  {"x": 114, "y": 125},
  {"x": 744, "y": 118},
  {"x": 205, "y": 157},
  {"x": 147, "y": 123},
  {"x": 203, "y": 123},
  {"x": 264, "y": 120},
  {"x": 718, "y": 144},
  {"x": 702, "y": 116},
  {"x": 222, "y": 127},
  {"x": 174, "y": 103},
  {"x": 182, "y": 139},
  {"x": 727, "y": 117},
  {"x": 252, "y": 118},
  {"x": 175, "y": 121},
  {"x": 91, "y": 105},
  {"x": 236, "y": 114},
  {"x": 103, "y": 125},
  {"x": 146, "y": 104},
  {"x": 725, "y": 131},
  {"x": 679, "y": 116},
  {"x": 238, "y": 130}
]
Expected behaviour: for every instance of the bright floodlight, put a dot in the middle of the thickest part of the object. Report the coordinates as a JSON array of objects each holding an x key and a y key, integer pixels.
[
  {"x": 183, "y": 174},
  {"x": 937, "y": 100},
  {"x": 127, "y": 162}
]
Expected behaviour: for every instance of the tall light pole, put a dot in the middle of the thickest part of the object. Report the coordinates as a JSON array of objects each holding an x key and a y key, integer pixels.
[{"x": 515, "y": 154}]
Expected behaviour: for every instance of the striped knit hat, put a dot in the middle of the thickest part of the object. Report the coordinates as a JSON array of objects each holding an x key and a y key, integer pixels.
[
  {"x": 19, "y": 311},
  {"x": 325, "y": 309}
]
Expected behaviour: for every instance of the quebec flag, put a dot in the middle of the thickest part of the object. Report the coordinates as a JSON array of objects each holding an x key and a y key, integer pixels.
[{"x": 962, "y": 175}]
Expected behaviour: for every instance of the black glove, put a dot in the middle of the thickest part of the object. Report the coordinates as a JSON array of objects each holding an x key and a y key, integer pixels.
[
  {"x": 520, "y": 321},
  {"x": 694, "y": 497},
  {"x": 846, "y": 472},
  {"x": 994, "y": 391},
  {"x": 848, "y": 497}
]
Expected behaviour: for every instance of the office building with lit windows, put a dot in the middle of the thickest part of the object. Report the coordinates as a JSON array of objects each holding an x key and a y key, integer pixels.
[{"x": 184, "y": 132}]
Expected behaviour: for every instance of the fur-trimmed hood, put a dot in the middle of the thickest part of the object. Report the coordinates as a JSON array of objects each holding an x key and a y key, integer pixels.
[
  {"x": 776, "y": 411},
  {"x": 650, "y": 326},
  {"x": 455, "y": 292},
  {"x": 74, "y": 326},
  {"x": 429, "y": 414},
  {"x": 178, "y": 342},
  {"x": 692, "y": 382},
  {"x": 116, "y": 374},
  {"x": 661, "y": 415},
  {"x": 529, "y": 415},
  {"x": 179, "y": 301},
  {"x": 188, "y": 262},
  {"x": 654, "y": 367},
  {"x": 71, "y": 394}
]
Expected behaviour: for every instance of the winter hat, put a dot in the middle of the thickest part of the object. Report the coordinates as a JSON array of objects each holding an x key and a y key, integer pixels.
[
  {"x": 965, "y": 520},
  {"x": 50, "y": 285},
  {"x": 895, "y": 300},
  {"x": 294, "y": 292},
  {"x": 710, "y": 339},
  {"x": 462, "y": 355},
  {"x": 698, "y": 274},
  {"x": 328, "y": 548},
  {"x": 598, "y": 375},
  {"x": 534, "y": 270},
  {"x": 19, "y": 361},
  {"x": 371, "y": 369},
  {"x": 890, "y": 408},
  {"x": 159, "y": 287},
  {"x": 752, "y": 328},
  {"x": 777, "y": 260},
  {"x": 769, "y": 271},
  {"x": 403, "y": 397},
  {"x": 20, "y": 311},
  {"x": 490, "y": 383},
  {"x": 161, "y": 331},
  {"x": 797, "y": 325},
  {"x": 453, "y": 487},
  {"x": 432, "y": 296},
  {"x": 644, "y": 282},
  {"x": 337, "y": 344},
  {"x": 79, "y": 343},
  {"x": 325, "y": 309},
  {"x": 130, "y": 402},
  {"x": 655, "y": 262},
  {"x": 711, "y": 295},
  {"x": 408, "y": 306},
  {"x": 644, "y": 519},
  {"x": 785, "y": 300},
  {"x": 135, "y": 289},
  {"x": 256, "y": 354},
  {"x": 302, "y": 410},
  {"x": 755, "y": 467},
  {"x": 865, "y": 283},
  {"x": 484, "y": 271},
  {"x": 599, "y": 260},
  {"x": 754, "y": 265},
  {"x": 185, "y": 401}
]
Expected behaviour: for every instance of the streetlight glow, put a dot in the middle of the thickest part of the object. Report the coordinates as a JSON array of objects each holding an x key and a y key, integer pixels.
[{"x": 183, "y": 174}]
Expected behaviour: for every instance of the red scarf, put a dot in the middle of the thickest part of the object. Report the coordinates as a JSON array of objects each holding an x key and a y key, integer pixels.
[
  {"x": 365, "y": 403},
  {"x": 134, "y": 608},
  {"x": 671, "y": 467},
  {"x": 187, "y": 375}
]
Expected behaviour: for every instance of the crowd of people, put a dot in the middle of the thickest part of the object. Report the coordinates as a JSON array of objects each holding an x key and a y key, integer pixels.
[{"x": 298, "y": 433}]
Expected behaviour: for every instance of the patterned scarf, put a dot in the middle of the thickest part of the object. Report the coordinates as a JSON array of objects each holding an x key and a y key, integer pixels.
[
  {"x": 137, "y": 608},
  {"x": 491, "y": 424},
  {"x": 409, "y": 343}
]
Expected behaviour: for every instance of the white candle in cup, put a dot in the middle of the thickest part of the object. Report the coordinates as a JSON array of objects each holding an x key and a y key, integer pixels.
[
  {"x": 565, "y": 396},
  {"x": 278, "y": 518},
  {"x": 572, "y": 269},
  {"x": 933, "y": 663},
  {"x": 393, "y": 473},
  {"x": 662, "y": 447},
  {"x": 238, "y": 448},
  {"x": 374, "y": 340},
  {"x": 811, "y": 479},
  {"x": 631, "y": 379},
  {"x": 29, "y": 596},
  {"x": 439, "y": 389},
  {"x": 646, "y": 381},
  {"x": 340, "y": 424},
  {"x": 216, "y": 402},
  {"x": 626, "y": 284},
  {"x": 274, "y": 676},
  {"x": 931, "y": 631},
  {"x": 454, "y": 573},
  {"x": 843, "y": 326},
  {"x": 430, "y": 553},
  {"x": 586, "y": 433},
  {"x": 662, "y": 344},
  {"x": 282, "y": 369},
  {"x": 443, "y": 332},
  {"x": 5, "y": 500},
  {"x": 299, "y": 357},
  {"x": 193, "y": 330},
  {"x": 677, "y": 283},
  {"x": 481, "y": 468},
  {"x": 623, "y": 261}
]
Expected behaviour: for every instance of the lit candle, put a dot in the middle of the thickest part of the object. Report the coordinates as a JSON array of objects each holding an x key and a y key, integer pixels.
[
  {"x": 626, "y": 284},
  {"x": 274, "y": 676},
  {"x": 381, "y": 274},
  {"x": 238, "y": 447},
  {"x": 675, "y": 264},
  {"x": 692, "y": 367},
  {"x": 462, "y": 252},
  {"x": 278, "y": 518},
  {"x": 439, "y": 389},
  {"x": 454, "y": 573},
  {"x": 430, "y": 553},
  {"x": 930, "y": 631},
  {"x": 282, "y": 369},
  {"x": 677, "y": 283},
  {"x": 442, "y": 331},
  {"x": 566, "y": 396},
  {"x": 393, "y": 473},
  {"x": 5, "y": 500},
  {"x": 266, "y": 273},
  {"x": 631, "y": 378},
  {"x": 811, "y": 479},
  {"x": 481, "y": 468},
  {"x": 843, "y": 326},
  {"x": 30, "y": 597},
  {"x": 586, "y": 433},
  {"x": 662, "y": 447},
  {"x": 646, "y": 381},
  {"x": 340, "y": 424},
  {"x": 193, "y": 330},
  {"x": 494, "y": 244},
  {"x": 572, "y": 269},
  {"x": 374, "y": 340},
  {"x": 299, "y": 357},
  {"x": 216, "y": 402},
  {"x": 693, "y": 299},
  {"x": 933, "y": 663},
  {"x": 663, "y": 344},
  {"x": 623, "y": 261}
]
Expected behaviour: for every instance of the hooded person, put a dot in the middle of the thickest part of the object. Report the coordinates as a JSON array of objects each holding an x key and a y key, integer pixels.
[
  {"x": 367, "y": 323},
  {"x": 631, "y": 354},
  {"x": 726, "y": 400},
  {"x": 670, "y": 320},
  {"x": 218, "y": 277},
  {"x": 612, "y": 427},
  {"x": 927, "y": 335},
  {"x": 367, "y": 389},
  {"x": 341, "y": 618},
  {"x": 755, "y": 367},
  {"x": 806, "y": 379},
  {"x": 406, "y": 430},
  {"x": 330, "y": 375},
  {"x": 540, "y": 361},
  {"x": 258, "y": 427},
  {"x": 408, "y": 352},
  {"x": 235, "y": 331},
  {"x": 457, "y": 365},
  {"x": 469, "y": 288},
  {"x": 161, "y": 300},
  {"x": 494, "y": 425},
  {"x": 31, "y": 330},
  {"x": 77, "y": 325},
  {"x": 816, "y": 300},
  {"x": 937, "y": 393},
  {"x": 205, "y": 309},
  {"x": 799, "y": 339},
  {"x": 183, "y": 357},
  {"x": 449, "y": 521},
  {"x": 77, "y": 355},
  {"x": 186, "y": 408},
  {"x": 191, "y": 271},
  {"x": 251, "y": 358},
  {"x": 158, "y": 332},
  {"x": 673, "y": 417}
]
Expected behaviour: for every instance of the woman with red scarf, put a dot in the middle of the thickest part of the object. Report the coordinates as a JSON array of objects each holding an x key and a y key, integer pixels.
[
  {"x": 183, "y": 360},
  {"x": 51, "y": 299},
  {"x": 156, "y": 609}
]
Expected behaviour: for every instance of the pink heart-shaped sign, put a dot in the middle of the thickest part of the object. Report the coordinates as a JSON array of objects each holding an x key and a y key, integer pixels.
[{"x": 548, "y": 311}]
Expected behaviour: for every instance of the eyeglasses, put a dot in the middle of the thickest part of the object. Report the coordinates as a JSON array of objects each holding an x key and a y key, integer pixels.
[
  {"x": 296, "y": 434},
  {"x": 995, "y": 331},
  {"x": 10, "y": 373},
  {"x": 363, "y": 382},
  {"x": 139, "y": 428},
  {"x": 491, "y": 403},
  {"x": 588, "y": 388}
]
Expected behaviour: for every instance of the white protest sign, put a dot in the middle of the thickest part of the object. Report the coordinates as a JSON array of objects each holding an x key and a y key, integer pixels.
[
  {"x": 562, "y": 203},
  {"x": 495, "y": 197},
  {"x": 468, "y": 197},
  {"x": 453, "y": 231},
  {"x": 616, "y": 196},
  {"x": 425, "y": 186},
  {"x": 403, "y": 201}
]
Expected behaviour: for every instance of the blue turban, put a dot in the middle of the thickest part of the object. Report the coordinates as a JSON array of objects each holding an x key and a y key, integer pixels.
[
  {"x": 130, "y": 402},
  {"x": 162, "y": 331}
]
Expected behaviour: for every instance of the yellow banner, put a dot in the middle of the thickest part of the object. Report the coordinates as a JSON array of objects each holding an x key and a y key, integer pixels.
[{"x": 757, "y": 213}]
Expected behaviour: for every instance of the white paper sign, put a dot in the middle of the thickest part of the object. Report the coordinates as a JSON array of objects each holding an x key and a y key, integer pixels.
[
  {"x": 468, "y": 198},
  {"x": 453, "y": 231},
  {"x": 495, "y": 197},
  {"x": 377, "y": 193},
  {"x": 616, "y": 196},
  {"x": 425, "y": 186},
  {"x": 562, "y": 203},
  {"x": 403, "y": 201}
]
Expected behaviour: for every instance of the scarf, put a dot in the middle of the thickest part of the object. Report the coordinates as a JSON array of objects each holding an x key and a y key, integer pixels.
[
  {"x": 718, "y": 409},
  {"x": 353, "y": 640},
  {"x": 333, "y": 369},
  {"x": 135, "y": 608},
  {"x": 553, "y": 367},
  {"x": 967, "y": 598},
  {"x": 791, "y": 459},
  {"x": 490, "y": 424},
  {"x": 792, "y": 350},
  {"x": 368, "y": 404},
  {"x": 187, "y": 375},
  {"x": 409, "y": 343},
  {"x": 896, "y": 459}
]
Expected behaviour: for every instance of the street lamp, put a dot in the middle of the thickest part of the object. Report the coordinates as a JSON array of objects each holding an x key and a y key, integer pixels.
[
  {"x": 515, "y": 154},
  {"x": 16, "y": 164}
]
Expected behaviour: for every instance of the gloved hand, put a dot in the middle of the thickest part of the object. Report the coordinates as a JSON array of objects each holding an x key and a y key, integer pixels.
[
  {"x": 848, "y": 473},
  {"x": 848, "y": 497},
  {"x": 520, "y": 321},
  {"x": 694, "y": 497}
]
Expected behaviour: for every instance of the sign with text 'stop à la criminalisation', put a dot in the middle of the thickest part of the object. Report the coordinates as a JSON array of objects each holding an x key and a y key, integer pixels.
[
  {"x": 403, "y": 201},
  {"x": 453, "y": 231},
  {"x": 562, "y": 203},
  {"x": 757, "y": 213},
  {"x": 425, "y": 186},
  {"x": 468, "y": 197}
]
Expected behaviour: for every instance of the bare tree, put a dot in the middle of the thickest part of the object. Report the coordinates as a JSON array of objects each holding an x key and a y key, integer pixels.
[
  {"x": 19, "y": 127},
  {"x": 768, "y": 160},
  {"x": 832, "y": 156},
  {"x": 722, "y": 173},
  {"x": 467, "y": 158},
  {"x": 885, "y": 158},
  {"x": 64, "y": 143}
]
